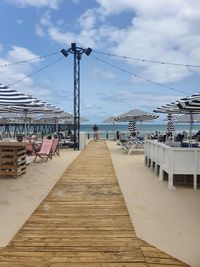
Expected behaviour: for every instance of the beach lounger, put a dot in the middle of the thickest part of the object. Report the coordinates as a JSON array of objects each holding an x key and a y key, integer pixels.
[
  {"x": 45, "y": 150},
  {"x": 132, "y": 145},
  {"x": 55, "y": 147},
  {"x": 127, "y": 146}
]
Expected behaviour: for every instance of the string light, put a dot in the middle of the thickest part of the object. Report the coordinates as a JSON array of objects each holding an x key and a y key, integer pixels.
[
  {"x": 35, "y": 72},
  {"x": 137, "y": 76},
  {"x": 148, "y": 61},
  {"x": 28, "y": 60}
]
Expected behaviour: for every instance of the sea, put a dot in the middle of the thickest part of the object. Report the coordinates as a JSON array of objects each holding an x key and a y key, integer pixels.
[
  {"x": 143, "y": 129},
  {"x": 109, "y": 130}
]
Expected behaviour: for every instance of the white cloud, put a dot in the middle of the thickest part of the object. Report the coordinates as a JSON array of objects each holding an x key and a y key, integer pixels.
[
  {"x": 103, "y": 74},
  {"x": 39, "y": 31},
  {"x": 36, "y": 3},
  {"x": 161, "y": 30},
  {"x": 60, "y": 37},
  {"x": 145, "y": 8},
  {"x": 20, "y": 53},
  {"x": 129, "y": 99},
  {"x": 16, "y": 72},
  {"x": 19, "y": 21},
  {"x": 45, "y": 19},
  {"x": 88, "y": 19},
  {"x": 42, "y": 89}
]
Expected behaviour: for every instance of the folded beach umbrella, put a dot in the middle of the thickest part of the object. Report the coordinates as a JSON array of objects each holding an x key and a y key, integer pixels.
[
  {"x": 132, "y": 126},
  {"x": 170, "y": 124}
]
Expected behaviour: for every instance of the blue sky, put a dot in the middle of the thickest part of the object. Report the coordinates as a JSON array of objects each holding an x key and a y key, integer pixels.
[{"x": 155, "y": 30}]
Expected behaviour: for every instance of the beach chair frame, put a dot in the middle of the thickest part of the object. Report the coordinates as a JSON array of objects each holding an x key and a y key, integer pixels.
[
  {"x": 55, "y": 147},
  {"x": 45, "y": 150}
]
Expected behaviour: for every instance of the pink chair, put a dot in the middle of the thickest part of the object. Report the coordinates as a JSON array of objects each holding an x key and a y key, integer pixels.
[
  {"x": 45, "y": 150},
  {"x": 55, "y": 147},
  {"x": 29, "y": 148}
]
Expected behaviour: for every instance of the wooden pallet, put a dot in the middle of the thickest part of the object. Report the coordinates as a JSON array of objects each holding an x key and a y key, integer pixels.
[
  {"x": 83, "y": 222},
  {"x": 12, "y": 160}
]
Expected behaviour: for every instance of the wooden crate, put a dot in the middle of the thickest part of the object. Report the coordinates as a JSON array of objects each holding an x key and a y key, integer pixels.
[{"x": 12, "y": 160}]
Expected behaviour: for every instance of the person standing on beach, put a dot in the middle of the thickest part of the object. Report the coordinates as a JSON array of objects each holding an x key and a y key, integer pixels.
[{"x": 96, "y": 132}]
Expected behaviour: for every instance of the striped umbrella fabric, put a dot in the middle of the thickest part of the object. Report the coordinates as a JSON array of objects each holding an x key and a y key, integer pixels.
[
  {"x": 12, "y": 97},
  {"x": 184, "y": 105},
  {"x": 136, "y": 115},
  {"x": 168, "y": 108},
  {"x": 14, "y": 102},
  {"x": 133, "y": 116},
  {"x": 191, "y": 103},
  {"x": 187, "y": 105},
  {"x": 170, "y": 124},
  {"x": 132, "y": 126}
]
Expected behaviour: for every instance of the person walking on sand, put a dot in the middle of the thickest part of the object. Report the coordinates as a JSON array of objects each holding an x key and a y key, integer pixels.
[{"x": 96, "y": 132}]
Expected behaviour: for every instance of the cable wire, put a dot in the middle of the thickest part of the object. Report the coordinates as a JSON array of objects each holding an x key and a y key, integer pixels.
[
  {"x": 31, "y": 59},
  {"x": 147, "y": 60},
  {"x": 137, "y": 76},
  {"x": 35, "y": 72}
]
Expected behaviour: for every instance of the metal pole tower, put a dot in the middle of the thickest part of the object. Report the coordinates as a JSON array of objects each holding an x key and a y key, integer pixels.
[
  {"x": 77, "y": 58},
  {"x": 77, "y": 52}
]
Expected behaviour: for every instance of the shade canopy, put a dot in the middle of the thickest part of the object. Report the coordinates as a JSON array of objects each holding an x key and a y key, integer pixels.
[
  {"x": 110, "y": 119},
  {"x": 186, "y": 118},
  {"x": 190, "y": 103},
  {"x": 11, "y": 97},
  {"x": 187, "y": 105},
  {"x": 136, "y": 115},
  {"x": 16, "y": 103}
]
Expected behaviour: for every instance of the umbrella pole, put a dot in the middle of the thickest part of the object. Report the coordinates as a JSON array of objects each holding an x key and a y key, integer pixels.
[
  {"x": 29, "y": 125},
  {"x": 190, "y": 133},
  {"x": 113, "y": 130},
  {"x": 25, "y": 125}
]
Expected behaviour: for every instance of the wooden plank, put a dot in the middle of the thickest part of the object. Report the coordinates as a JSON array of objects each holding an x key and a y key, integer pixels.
[
  {"x": 76, "y": 233},
  {"x": 74, "y": 249},
  {"x": 12, "y": 161},
  {"x": 83, "y": 222}
]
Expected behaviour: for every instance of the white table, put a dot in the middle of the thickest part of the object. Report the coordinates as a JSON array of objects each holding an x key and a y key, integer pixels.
[{"x": 172, "y": 160}]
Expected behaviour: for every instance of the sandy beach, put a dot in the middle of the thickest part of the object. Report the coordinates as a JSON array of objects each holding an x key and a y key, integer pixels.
[
  {"x": 166, "y": 219},
  {"x": 20, "y": 197}
]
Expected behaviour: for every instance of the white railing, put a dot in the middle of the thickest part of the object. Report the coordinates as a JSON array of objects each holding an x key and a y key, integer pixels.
[{"x": 172, "y": 160}]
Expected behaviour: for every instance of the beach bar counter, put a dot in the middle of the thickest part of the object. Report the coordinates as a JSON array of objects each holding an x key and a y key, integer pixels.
[
  {"x": 12, "y": 159},
  {"x": 172, "y": 160}
]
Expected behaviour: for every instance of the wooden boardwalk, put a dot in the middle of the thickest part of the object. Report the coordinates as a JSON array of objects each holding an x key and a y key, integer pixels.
[{"x": 83, "y": 222}]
